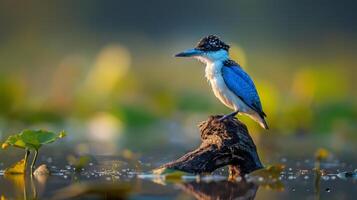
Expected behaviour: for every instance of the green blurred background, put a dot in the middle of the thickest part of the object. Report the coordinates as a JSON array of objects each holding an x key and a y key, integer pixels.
[{"x": 109, "y": 64}]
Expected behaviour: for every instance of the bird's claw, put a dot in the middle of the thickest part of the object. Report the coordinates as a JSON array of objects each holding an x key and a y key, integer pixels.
[
  {"x": 228, "y": 116},
  {"x": 223, "y": 118}
]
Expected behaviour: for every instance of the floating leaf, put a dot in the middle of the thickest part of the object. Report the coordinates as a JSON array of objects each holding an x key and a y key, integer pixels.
[
  {"x": 170, "y": 174},
  {"x": 17, "y": 168},
  {"x": 78, "y": 163},
  {"x": 32, "y": 139},
  {"x": 177, "y": 175},
  {"x": 268, "y": 177},
  {"x": 269, "y": 172}
]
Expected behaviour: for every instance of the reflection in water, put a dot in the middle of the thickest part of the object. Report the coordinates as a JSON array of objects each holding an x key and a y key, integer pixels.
[
  {"x": 102, "y": 190},
  {"x": 18, "y": 183},
  {"x": 220, "y": 190},
  {"x": 317, "y": 183},
  {"x": 21, "y": 183}
]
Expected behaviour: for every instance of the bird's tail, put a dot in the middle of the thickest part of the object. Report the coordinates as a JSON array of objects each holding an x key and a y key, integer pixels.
[{"x": 261, "y": 121}]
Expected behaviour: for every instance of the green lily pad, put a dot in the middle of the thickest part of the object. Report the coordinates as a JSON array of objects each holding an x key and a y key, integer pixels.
[
  {"x": 170, "y": 174},
  {"x": 270, "y": 172},
  {"x": 32, "y": 139},
  {"x": 268, "y": 177}
]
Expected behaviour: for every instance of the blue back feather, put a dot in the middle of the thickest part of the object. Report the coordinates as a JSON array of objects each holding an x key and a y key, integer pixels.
[{"x": 239, "y": 82}]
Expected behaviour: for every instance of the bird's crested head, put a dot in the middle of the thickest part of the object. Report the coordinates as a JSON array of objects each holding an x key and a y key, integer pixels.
[
  {"x": 211, "y": 43},
  {"x": 208, "y": 49}
]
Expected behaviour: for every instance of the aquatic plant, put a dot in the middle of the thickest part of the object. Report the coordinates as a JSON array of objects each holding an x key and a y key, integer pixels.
[{"x": 30, "y": 140}]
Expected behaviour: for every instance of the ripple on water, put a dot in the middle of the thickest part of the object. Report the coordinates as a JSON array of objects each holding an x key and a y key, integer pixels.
[{"x": 210, "y": 178}]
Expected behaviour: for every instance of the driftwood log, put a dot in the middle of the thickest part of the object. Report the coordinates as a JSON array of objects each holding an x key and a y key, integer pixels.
[{"x": 224, "y": 143}]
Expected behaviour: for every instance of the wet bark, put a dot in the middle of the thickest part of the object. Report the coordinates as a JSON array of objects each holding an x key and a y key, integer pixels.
[{"x": 223, "y": 143}]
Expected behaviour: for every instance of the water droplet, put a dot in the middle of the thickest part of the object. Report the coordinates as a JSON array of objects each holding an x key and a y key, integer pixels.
[
  {"x": 290, "y": 169},
  {"x": 293, "y": 189},
  {"x": 290, "y": 177},
  {"x": 65, "y": 176},
  {"x": 303, "y": 171},
  {"x": 306, "y": 177},
  {"x": 328, "y": 190}
]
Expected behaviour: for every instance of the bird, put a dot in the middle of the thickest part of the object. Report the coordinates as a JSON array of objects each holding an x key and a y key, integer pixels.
[{"x": 229, "y": 82}]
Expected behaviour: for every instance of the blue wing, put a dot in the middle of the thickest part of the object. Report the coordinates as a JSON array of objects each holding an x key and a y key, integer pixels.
[{"x": 239, "y": 82}]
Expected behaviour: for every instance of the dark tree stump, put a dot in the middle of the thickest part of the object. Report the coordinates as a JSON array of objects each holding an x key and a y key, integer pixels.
[{"x": 223, "y": 143}]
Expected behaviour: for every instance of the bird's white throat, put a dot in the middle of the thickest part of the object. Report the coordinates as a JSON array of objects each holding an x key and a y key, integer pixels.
[
  {"x": 213, "y": 56},
  {"x": 213, "y": 61}
]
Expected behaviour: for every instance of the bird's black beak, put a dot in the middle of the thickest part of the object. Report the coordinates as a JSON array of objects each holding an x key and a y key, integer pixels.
[{"x": 189, "y": 53}]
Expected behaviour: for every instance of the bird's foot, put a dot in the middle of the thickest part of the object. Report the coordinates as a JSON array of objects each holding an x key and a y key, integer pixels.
[{"x": 228, "y": 116}]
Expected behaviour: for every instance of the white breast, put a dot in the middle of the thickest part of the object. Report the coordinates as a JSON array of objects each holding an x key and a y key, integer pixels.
[{"x": 214, "y": 76}]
